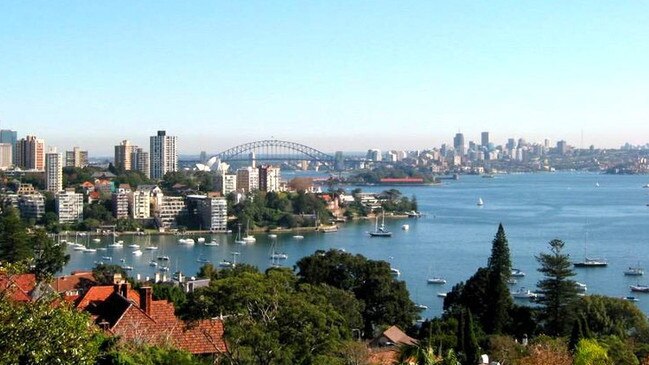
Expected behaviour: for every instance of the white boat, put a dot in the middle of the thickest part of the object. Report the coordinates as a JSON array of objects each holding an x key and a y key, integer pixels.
[
  {"x": 436, "y": 280},
  {"x": 134, "y": 245},
  {"x": 298, "y": 237},
  {"x": 102, "y": 249},
  {"x": 106, "y": 258},
  {"x": 405, "y": 227},
  {"x": 646, "y": 186},
  {"x": 164, "y": 268},
  {"x": 517, "y": 273},
  {"x": 279, "y": 255},
  {"x": 151, "y": 248},
  {"x": 441, "y": 295},
  {"x": 395, "y": 272},
  {"x": 380, "y": 231},
  {"x": 248, "y": 238},
  {"x": 211, "y": 243},
  {"x": 115, "y": 245},
  {"x": 202, "y": 260},
  {"x": 641, "y": 288},
  {"x": 581, "y": 287},
  {"x": 480, "y": 202},
  {"x": 186, "y": 241},
  {"x": 634, "y": 271},
  {"x": 96, "y": 240},
  {"x": 238, "y": 239},
  {"x": 512, "y": 281},
  {"x": 225, "y": 263},
  {"x": 163, "y": 258},
  {"x": 137, "y": 253},
  {"x": 591, "y": 262},
  {"x": 200, "y": 240},
  {"x": 272, "y": 236},
  {"x": 120, "y": 242},
  {"x": 597, "y": 184},
  {"x": 127, "y": 268},
  {"x": 153, "y": 263},
  {"x": 89, "y": 250},
  {"x": 523, "y": 293},
  {"x": 79, "y": 248},
  {"x": 421, "y": 306},
  {"x": 630, "y": 298}
]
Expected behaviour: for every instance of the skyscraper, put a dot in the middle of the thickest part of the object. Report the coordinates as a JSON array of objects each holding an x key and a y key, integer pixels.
[
  {"x": 6, "y": 156},
  {"x": 164, "y": 156},
  {"x": 53, "y": 171},
  {"x": 123, "y": 155},
  {"x": 30, "y": 153},
  {"x": 140, "y": 161},
  {"x": 76, "y": 158},
  {"x": 11, "y": 137},
  {"x": 484, "y": 141},
  {"x": 458, "y": 144}
]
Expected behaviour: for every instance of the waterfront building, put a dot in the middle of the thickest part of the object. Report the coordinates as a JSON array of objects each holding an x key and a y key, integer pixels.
[
  {"x": 123, "y": 153},
  {"x": 30, "y": 153},
  {"x": 374, "y": 155},
  {"x": 140, "y": 161},
  {"x": 458, "y": 144},
  {"x": 141, "y": 204},
  {"x": 210, "y": 211},
  {"x": 226, "y": 183},
  {"x": 155, "y": 196},
  {"x": 164, "y": 155},
  {"x": 69, "y": 206},
  {"x": 484, "y": 139},
  {"x": 10, "y": 137},
  {"x": 247, "y": 179},
  {"x": 562, "y": 147},
  {"x": 169, "y": 210},
  {"x": 6, "y": 155},
  {"x": 269, "y": 178},
  {"x": 31, "y": 206},
  {"x": 76, "y": 158},
  {"x": 120, "y": 200},
  {"x": 53, "y": 171}
]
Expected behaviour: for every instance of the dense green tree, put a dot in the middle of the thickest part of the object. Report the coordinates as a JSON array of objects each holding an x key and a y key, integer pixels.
[
  {"x": 104, "y": 273},
  {"x": 97, "y": 211},
  {"x": 385, "y": 299},
  {"x": 619, "y": 352},
  {"x": 606, "y": 316},
  {"x": 73, "y": 176},
  {"x": 127, "y": 225},
  {"x": 559, "y": 291},
  {"x": 499, "y": 266},
  {"x": 49, "y": 257},
  {"x": 590, "y": 352},
  {"x": 43, "y": 333},
  {"x": 170, "y": 292},
  {"x": 141, "y": 354},
  {"x": 466, "y": 338},
  {"x": 14, "y": 241}
]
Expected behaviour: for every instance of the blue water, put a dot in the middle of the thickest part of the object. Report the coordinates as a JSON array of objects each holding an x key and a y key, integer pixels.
[{"x": 454, "y": 238}]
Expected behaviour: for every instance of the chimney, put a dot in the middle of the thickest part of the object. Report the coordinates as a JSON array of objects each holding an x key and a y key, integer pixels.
[
  {"x": 124, "y": 289},
  {"x": 116, "y": 288},
  {"x": 145, "y": 299}
]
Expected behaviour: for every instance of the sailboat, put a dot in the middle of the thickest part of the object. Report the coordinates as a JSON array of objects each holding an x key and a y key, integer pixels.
[
  {"x": 634, "y": 271},
  {"x": 480, "y": 202},
  {"x": 248, "y": 238},
  {"x": 87, "y": 248},
  {"x": 380, "y": 231},
  {"x": 149, "y": 247},
  {"x": 239, "y": 240},
  {"x": 117, "y": 244},
  {"x": 589, "y": 262}
]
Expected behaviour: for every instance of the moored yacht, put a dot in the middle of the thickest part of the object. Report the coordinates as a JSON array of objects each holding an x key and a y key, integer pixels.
[
  {"x": 634, "y": 271},
  {"x": 591, "y": 262}
]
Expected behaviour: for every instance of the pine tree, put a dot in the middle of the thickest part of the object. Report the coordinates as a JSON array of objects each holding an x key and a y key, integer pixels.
[
  {"x": 14, "y": 243},
  {"x": 499, "y": 266},
  {"x": 50, "y": 257},
  {"x": 471, "y": 347},
  {"x": 559, "y": 292}
]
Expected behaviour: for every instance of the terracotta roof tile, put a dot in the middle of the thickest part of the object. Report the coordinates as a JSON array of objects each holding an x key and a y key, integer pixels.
[{"x": 18, "y": 287}]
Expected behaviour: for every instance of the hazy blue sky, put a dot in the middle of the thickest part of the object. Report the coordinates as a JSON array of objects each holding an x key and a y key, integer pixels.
[{"x": 335, "y": 75}]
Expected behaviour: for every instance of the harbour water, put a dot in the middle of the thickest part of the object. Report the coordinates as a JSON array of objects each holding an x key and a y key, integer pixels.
[{"x": 598, "y": 215}]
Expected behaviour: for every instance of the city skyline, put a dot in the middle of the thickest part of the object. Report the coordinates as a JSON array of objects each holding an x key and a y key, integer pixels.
[{"x": 381, "y": 75}]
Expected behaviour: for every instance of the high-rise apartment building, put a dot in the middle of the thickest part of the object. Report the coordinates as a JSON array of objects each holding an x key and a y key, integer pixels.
[
  {"x": 76, "y": 158},
  {"x": 30, "y": 153},
  {"x": 164, "y": 156},
  {"x": 269, "y": 177},
  {"x": 32, "y": 206},
  {"x": 120, "y": 200},
  {"x": 140, "y": 161},
  {"x": 6, "y": 155},
  {"x": 458, "y": 144},
  {"x": 123, "y": 153},
  {"x": 484, "y": 140},
  {"x": 226, "y": 183},
  {"x": 10, "y": 137},
  {"x": 53, "y": 171},
  {"x": 141, "y": 204},
  {"x": 69, "y": 206},
  {"x": 210, "y": 212},
  {"x": 247, "y": 179}
]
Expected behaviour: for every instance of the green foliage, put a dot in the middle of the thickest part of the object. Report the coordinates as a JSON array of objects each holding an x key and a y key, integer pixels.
[
  {"x": 559, "y": 292},
  {"x": 505, "y": 349},
  {"x": 132, "y": 178},
  {"x": 14, "y": 242},
  {"x": 131, "y": 354},
  {"x": 606, "y": 316},
  {"x": 98, "y": 211},
  {"x": 104, "y": 273},
  {"x": 439, "y": 332},
  {"x": 416, "y": 354},
  {"x": 395, "y": 202},
  {"x": 618, "y": 351},
  {"x": 590, "y": 352},
  {"x": 127, "y": 225},
  {"x": 49, "y": 257},
  {"x": 466, "y": 338},
  {"x": 386, "y": 300},
  {"x": 43, "y": 333},
  {"x": 73, "y": 176},
  {"x": 170, "y": 292},
  {"x": 399, "y": 171}
]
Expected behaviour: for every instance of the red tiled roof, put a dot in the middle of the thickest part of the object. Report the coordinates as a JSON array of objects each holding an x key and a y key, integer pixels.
[
  {"x": 18, "y": 286},
  {"x": 66, "y": 283},
  {"x": 98, "y": 294}
]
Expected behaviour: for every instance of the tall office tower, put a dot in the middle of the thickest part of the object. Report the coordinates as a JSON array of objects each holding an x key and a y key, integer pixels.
[
  {"x": 53, "y": 171},
  {"x": 339, "y": 161},
  {"x": 164, "y": 156},
  {"x": 269, "y": 177},
  {"x": 140, "y": 161},
  {"x": 458, "y": 144},
  {"x": 484, "y": 140},
  {"x": 123, "y": 155},
  {"x": 374, "y": 155},
  {"x": 30, "y": 153},
  {"x": 511, "y": 144},
  {"x": 6, "y": 155},
  {"x": 11, "y": 137},
  {"x": 76, "y": 158}
]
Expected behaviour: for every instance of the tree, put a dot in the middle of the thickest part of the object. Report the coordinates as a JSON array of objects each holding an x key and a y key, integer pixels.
[
  {"x": 547, "y": 351},
  {"x": 467, "y": 342},
  {"x": 170, "y": 292},
  {"x": 105, "y": 273},
  {"x": 416, "y": 354},
  {"x": 559, "y": 293},
  {"x": 589, "y": 352},
  {"x": 50, "y": 257},
  {"x": 43, "y": 333},
  {"x": 500, "y": 267},
  {"x": 606, "y": 316},
  {"x": 14, "y": 242}
]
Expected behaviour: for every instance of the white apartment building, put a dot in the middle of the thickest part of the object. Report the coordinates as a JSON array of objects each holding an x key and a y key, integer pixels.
[
  {"x": 6, "y": 155},
  {"x": 269, "y": 178},
  {"x": 53, "y": 171},
  {"x": 69, "y": 206},
  {"x": 163, "y": 153},
  {"x": 120, "y": 202},
  {"x": 226, "y": 183},
  {"x": 211, "y": 211},
  {"x": 141, "y": 204}
]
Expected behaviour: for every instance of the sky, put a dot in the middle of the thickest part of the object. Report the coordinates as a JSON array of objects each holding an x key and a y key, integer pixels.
[{"x": 349, "y": 75}]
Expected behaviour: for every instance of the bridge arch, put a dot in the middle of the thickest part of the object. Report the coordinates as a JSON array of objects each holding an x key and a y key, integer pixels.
[{"x": 273, "y": 149}]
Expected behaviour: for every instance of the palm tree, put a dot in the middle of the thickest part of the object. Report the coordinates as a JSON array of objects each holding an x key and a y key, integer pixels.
[{"x": 416, "y": 354}]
